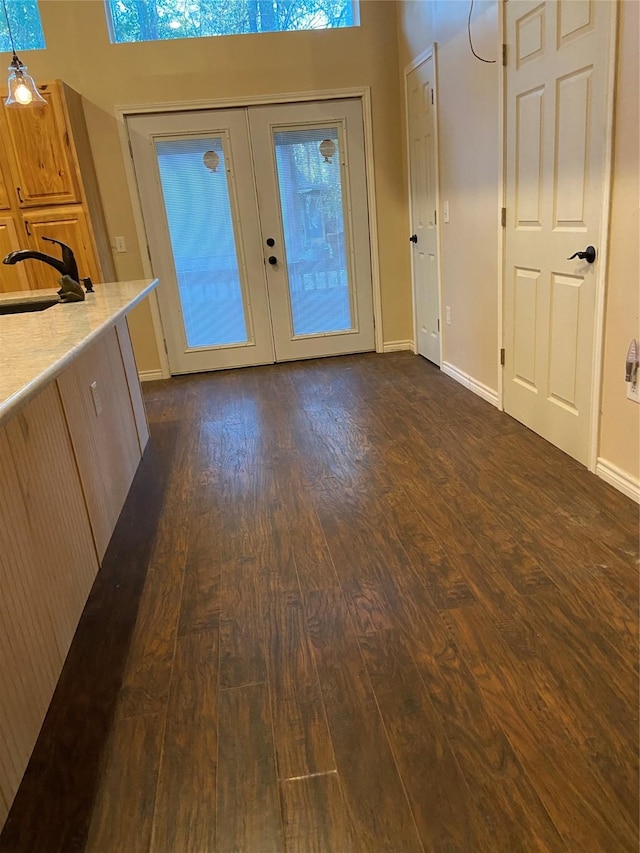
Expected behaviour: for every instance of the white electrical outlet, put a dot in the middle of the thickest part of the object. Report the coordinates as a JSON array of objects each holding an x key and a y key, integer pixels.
[
  {"x": 445, "y": 211},
  {"x": 633, "y": 391},
  {"x": 121, "y": 245},
  {"x": 447, "y": 315},
  {"x": 97, "y": 402}
]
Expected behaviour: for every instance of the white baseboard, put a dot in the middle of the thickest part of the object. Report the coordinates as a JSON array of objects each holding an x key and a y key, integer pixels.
[
  {"x": 150, "y": 375},
  {"x": 472, "y": 384},
  {"x": 619, "y": 479},
  {"x": 397, "y": 346}
]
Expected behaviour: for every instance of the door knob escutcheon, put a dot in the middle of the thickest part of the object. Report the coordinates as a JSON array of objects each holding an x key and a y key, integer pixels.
[{"x": 589, "y": 255}]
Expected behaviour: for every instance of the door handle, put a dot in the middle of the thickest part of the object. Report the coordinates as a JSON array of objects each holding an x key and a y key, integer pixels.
[
  {"x": 272, "y": 260},
  {"x": 413, "y": 238},
  {"x": 589, "y": 255}
]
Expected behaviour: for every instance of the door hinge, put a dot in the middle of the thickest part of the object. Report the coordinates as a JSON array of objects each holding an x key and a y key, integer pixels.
[
  {"x": 503, "y": 217},
  {"x": 149, "y": 254},
  {"x": 435, "y": 217},
  {"x": 432, "y": 96},
  {"x": 130, "y": 148},
  {"x": 438, "y": 323},
  {"x": 502, "y": 356},
  {"x": 504, "y": 55}
]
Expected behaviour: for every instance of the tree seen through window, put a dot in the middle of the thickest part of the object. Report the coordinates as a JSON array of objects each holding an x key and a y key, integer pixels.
[
  {"x": 149, "y": 20},
  {"x": 24, "y": 17}
]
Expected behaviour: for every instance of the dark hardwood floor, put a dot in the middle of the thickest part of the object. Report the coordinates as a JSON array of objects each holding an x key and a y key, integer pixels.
[{"x": 349, "y": 606}]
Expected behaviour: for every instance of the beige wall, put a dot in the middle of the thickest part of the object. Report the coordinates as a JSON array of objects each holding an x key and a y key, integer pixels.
[
  {"x": 79, "y": 51},
  {"x": 468, "y": 118},
  {"x": 620, "y": 424},
  {"x": 469, "y": 175}
]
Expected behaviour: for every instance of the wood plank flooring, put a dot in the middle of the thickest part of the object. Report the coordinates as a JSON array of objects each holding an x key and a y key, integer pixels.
[{"x": 362, "y": 611}]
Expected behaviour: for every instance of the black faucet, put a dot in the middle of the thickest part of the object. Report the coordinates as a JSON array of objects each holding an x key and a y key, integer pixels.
[{"x": 66, "y": 266}]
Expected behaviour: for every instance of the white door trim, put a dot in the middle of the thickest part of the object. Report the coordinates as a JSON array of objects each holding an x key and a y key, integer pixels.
[
  {"x": 603, "y": 242},
  {"x": 502, "y": 196},
  {"x": 363, "y": 93},
  {"x": 428, "y": 53},
  {"x": 603, "y": 250}
]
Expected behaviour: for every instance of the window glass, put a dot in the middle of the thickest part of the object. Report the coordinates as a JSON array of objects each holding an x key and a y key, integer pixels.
[
  {"x": 24, "y": 17},
  {"x": 150, "y": 20}
]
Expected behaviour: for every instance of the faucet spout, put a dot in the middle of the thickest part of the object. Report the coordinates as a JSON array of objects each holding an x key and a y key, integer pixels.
[
  {"x": 66, "y": 265},
  {"x": 29, "y": 254},
  {"x": 71, "y": 289}
]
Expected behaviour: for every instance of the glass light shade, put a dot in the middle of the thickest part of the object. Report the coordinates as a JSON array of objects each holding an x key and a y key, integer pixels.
[{"x": 23, "y": 91}]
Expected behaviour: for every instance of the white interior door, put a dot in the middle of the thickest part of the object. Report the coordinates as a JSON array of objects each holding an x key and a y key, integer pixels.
[
  {"x": 557, "y": 88},
  {"x": 246, "y": 281},
  {"x": 421, "y": 128}
]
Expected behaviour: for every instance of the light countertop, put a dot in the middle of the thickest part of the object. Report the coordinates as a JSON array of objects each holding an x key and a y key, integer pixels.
[{"x": 36, "y": 347}]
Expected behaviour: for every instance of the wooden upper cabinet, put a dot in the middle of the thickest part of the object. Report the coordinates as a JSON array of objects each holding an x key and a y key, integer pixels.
[
  {"x": 70, "y": 226},
  {"x": 44, "y": 163}
]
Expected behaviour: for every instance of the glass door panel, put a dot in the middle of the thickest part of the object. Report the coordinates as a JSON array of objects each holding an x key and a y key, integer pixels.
[
  {"x": 311, "y": 201},
  {"x": 311, "y": 181},
  {"x": 197, "y": 191},
  {"x": 193, "y": 175}
]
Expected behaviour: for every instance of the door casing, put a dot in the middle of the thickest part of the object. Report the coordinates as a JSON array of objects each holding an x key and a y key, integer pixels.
[{"x": 123, "y": 111}]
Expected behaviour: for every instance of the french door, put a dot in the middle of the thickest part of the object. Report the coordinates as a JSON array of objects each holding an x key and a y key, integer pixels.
[{"x": 258, "y": 230}]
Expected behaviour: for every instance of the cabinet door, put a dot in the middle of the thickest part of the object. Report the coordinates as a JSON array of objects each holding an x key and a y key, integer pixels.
[
  {"x": 5, "y": 203},
  {"x": 70, "y": 226},
  {"x": 103, "y": 431},
  {"x": 43, "y": 162},
  {"x": 15, "y": 277},
  {"x": 7, "y": 190}
]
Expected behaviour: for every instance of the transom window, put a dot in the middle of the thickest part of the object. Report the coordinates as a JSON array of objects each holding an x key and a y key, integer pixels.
[
  {"x": 150, "y": 20},
  {"x": 24, "y": 17}
]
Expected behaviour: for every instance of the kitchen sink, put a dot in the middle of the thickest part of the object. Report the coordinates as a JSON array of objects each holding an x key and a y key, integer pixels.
[{"x": 27, "y": 305}]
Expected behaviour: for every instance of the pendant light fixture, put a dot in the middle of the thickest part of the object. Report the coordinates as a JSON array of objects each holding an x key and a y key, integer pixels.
[{"x": 23, "y": 91}]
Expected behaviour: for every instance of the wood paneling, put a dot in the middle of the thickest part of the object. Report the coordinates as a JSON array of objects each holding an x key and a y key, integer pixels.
[
  {"x": 133, "y": 381},
  {"x": 106, "y": 444},
  {"x": 47, "y": 565}
]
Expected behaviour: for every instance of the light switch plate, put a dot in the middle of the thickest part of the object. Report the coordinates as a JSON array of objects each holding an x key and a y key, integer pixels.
[
  {"x": 121, "y": 245},
  {"x": 633, "y": 392},
  {"x": 445, "y": 211}
]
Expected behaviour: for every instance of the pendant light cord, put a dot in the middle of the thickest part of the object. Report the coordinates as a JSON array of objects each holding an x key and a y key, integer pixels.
[
  {"x": 490, "y": 61},
  {"x": 6, "y": 15}
]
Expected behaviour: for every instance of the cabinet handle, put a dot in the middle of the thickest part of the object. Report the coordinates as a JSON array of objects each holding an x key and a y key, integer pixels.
[
  {"x": 26, "y": 227},
  {"x": 20, "y": 199}
]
